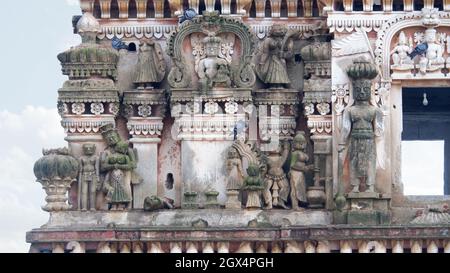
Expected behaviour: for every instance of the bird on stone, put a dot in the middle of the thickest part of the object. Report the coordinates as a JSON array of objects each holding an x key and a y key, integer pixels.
[
  {"x": 118, "y": 44},
  {"x": 188, "y": 14},
  {"x": 238, "y": 128},
  {"x": 420, "y": 49}
]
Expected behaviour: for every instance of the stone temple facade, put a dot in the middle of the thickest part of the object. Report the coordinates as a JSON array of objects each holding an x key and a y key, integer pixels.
[{"x": 242, "y": 127}]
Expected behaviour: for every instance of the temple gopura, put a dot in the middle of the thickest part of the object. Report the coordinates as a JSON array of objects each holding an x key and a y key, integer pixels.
[{"x": 246, "y": 126}]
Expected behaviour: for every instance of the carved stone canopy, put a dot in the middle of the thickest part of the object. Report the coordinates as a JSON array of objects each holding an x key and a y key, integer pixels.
[{"x": 211, "y": 22}]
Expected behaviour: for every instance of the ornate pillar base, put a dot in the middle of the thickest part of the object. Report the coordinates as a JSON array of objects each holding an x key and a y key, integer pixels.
[
  {"x": 368, "y": 208},
  {"x": 233, "y": 200}
]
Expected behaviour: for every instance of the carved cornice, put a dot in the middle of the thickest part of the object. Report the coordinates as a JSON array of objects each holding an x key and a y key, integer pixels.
[
  {"x": 346, "y": 22},
  {"x": 283, "y": 126},
  {"x": 153, "y": 29},
  {"x": 85, "y": 96},
  {"x": 276, "y": 97},
  {"x": 150, "y": 97},
  {"x": 216, "y": 95},
  {"x": 137, "y": 31},
  {"x": 320, "y": 125},
  {"x": 149, "y": 127},
  {"x": 317, "y": 97},
  {"x": 85, "y": 124},
  {"x": 207, "y": 127}
]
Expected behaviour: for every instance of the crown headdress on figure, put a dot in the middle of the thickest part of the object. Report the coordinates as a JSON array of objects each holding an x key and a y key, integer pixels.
[
  {"x": 212, "y": 39},
  {"x": 362, "y": 69}
]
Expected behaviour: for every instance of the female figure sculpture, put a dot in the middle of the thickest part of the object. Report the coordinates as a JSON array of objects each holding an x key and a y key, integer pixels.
[
  {"x": 118, "y": 162},
  {"x": 119, "y": 188},
  {"x": 299, "y": 158},
  {"x": 151, "y": 67},
  {"x": 272, "y": 67},
  {"x": 88, "y": 178},
  {"x": 235, "y": 178}
]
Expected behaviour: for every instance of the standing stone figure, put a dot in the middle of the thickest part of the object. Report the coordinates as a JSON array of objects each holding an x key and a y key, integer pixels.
[
  {"x": 213, "y": 70},
  {"x": 235, "y": 178},
  {"x": 276, "y": 185},
  {"x": 151, "y": 67},
  {"x": 272, "y": 68},
  {"x": 88, "y": 178},
  {"x": 361, "y": 123},
  {"x": 299, "y": 167},
  {"x": 234, "y": 170},
  {"x": 118, "y": 162}
]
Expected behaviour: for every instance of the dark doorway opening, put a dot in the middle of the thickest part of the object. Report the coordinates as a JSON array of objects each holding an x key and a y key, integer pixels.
[{"x": 426, "y": 122}]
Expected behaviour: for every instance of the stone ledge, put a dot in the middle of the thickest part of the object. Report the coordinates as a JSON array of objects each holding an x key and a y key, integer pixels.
[
  {"x": 183, "y": 218},
  {"x": 237, "y": 234}
]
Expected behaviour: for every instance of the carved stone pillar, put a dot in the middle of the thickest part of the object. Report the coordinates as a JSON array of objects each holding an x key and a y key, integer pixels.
[
  {"x": 317, "y": 109},
  {"x": 277, "y": 112},
  {"x": 90, "y": 98},
  {"x": 145, "y": 111}
]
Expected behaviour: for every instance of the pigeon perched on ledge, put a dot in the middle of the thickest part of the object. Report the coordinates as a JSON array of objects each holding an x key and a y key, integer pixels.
[
  {"x": 188, "y": 14},
  {"x": 420, "y": 49},
  {"x": 118, "y": 44}
]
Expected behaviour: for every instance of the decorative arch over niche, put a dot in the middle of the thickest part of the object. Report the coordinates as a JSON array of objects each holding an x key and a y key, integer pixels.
[
  {"x": 392, "y": 28},
  {"x": 244, "y": 76}
]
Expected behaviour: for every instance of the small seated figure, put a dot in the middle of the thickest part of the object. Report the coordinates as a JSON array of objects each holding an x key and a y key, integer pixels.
[
  {"x": 433, "y": 59},
  {"x": 400, "y": 54},
  {"x": 253, "y": 184},
  {"x": 213, "y": 70}
]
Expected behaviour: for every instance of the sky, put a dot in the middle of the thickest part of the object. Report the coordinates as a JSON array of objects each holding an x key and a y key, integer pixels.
[{"x": 30, "y": 76}]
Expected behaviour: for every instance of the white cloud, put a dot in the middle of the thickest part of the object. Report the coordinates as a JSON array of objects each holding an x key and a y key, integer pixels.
[{"x": 23, "y": 136}]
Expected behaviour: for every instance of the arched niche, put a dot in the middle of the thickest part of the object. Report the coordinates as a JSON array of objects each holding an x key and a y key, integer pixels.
[
  {"x": 180, "y": 75},
  {"x": 393, "y": 84}
]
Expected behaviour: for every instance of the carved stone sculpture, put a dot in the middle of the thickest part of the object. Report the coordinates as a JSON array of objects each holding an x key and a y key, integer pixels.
[
  {"x": 153, "y": 203},
  {"x": 253, "y": 184},
  {"x": 272, "y": 68},
  {"x": 276, "y": 185},
  {"x": 118, "y": 162},
  {"x": 56, "y": 171},
  {"x": 235, "y": 178},
  {"x": 299, "y": 167},
  {"x": 243, "y": 74},
  {"x": 151, "y": 67},
  {"x": 400, "y": 53},
  {"x": 361, "y": 123},
  {"x": 88, "y": 182},
  {"x": 213, "y": 70},
  {"x": 433, "y": 59}
]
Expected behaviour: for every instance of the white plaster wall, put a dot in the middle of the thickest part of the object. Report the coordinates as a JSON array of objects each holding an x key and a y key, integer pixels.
[{"x": 203, "y": 167}]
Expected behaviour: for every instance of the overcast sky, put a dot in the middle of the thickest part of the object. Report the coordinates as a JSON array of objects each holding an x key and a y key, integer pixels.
[{"x": 34, "y": 32}]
